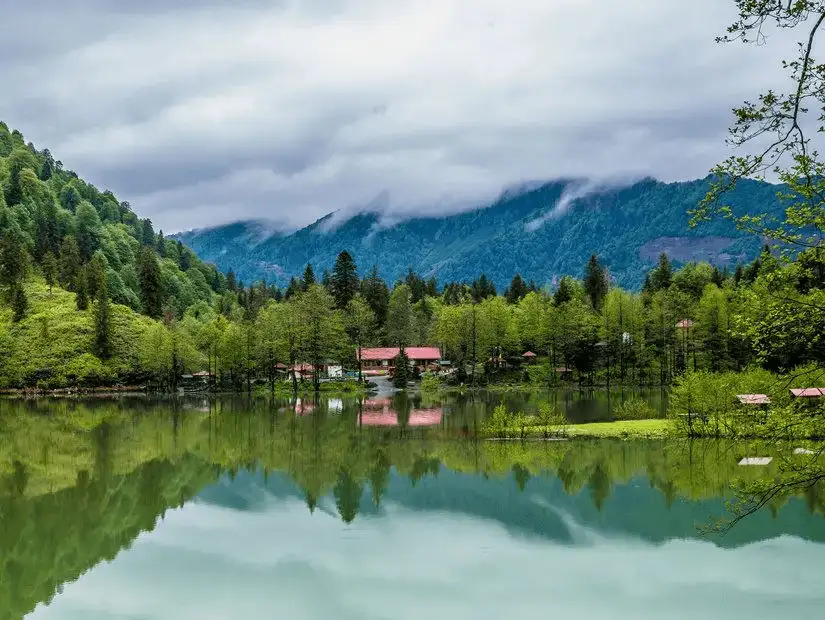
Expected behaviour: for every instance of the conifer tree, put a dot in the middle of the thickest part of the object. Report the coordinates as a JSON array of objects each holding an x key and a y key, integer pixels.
[
  {"x": 662, "y": 275},
  {"x": 402, "y": 369},
  {"x": 516, "y": 290},
  {"x": 344, "y": 280},
  {"x": 308, "y": 278},
  {"x": 49, "y": 270},
  {"x": 69, "y": 263},
  {"x": 82, "y": 296},
  {"x": 595, "y": 282},
  {"x": 102, "y": 321},
  {"x": 151, "y": 287},
  {"x": 19, "y": 303}
]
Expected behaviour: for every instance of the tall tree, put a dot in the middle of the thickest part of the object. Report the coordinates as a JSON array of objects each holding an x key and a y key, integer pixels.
[
  {"x": 49, "y": 267},
  {"x": 399, "y": 317},
  {"x": 87, "y": 230},
  {"x": 13, "y": 260},
  {"x": 322, "y": 335},
  {"x": 102, "y": 320},
  {"x": 69, "y": 263},
  {"x": 662, "y": 274},
  {"x": 308, "y": 279},
  {"x": 344, "y": 280},
  {"x": 595, "y": 282},
  {"x": 359, "y": 321},
  {"x": 82, "y": 295},
  {"x": 19, "y": 302},
  {"x": 151, "y": 287},
  {"x": 516, "y": 291},
  {"x": 377, "y": 294},
  {"x": 96, "y": 274}
]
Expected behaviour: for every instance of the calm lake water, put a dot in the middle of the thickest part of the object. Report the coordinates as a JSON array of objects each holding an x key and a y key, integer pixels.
[{"x": 231, "y": 508}]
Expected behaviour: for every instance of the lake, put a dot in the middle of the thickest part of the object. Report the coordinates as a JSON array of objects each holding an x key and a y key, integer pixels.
[{"x": 340, "y": 508}]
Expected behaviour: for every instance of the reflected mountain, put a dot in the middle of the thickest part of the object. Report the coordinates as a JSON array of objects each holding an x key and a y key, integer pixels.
[{"x": 79, "y": 481}]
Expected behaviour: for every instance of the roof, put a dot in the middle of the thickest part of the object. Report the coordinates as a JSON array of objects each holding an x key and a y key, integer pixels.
[
  {"x": 389, "y": 353},
  {"x": 528, "y": 354},
  {"x": 808, "y": 392},
  {"x": 202, "y": 373},
  {"x": 753, "y": 399}
]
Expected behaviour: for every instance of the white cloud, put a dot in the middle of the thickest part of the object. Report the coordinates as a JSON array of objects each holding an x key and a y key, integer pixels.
[{"x": 210, "y": 113}]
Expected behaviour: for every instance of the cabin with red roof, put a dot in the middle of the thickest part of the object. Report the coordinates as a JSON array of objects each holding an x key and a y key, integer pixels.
[{"x": 381, "y": 360}]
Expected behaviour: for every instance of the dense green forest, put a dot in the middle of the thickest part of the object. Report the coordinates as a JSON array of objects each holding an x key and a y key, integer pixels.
[
  {"x": 629, "y": 226},
  {"x": 92, "y": 295}
]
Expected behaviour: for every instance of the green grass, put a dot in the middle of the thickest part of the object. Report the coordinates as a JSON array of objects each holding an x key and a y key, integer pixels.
[
  {"x": 625, "y": 429},
  {"x": 50, "y": 346}
]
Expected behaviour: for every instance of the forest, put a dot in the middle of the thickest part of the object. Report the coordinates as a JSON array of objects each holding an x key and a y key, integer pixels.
[{"x": 93, "y": 296}]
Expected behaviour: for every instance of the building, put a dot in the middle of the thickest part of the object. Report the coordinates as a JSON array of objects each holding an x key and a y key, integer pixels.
[{"x": 381, "y": 360}]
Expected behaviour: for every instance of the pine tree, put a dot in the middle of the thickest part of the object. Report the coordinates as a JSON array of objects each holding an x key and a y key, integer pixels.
[
  {"x": 49, "y": 270},
  {"x": 13, "y": 260},
  {"x": 231, "y": 282},
  {"x": 95, "y": 274},
  {"x": 737, "y": 275},
  {"x": 402, "y": 369},
  {"x": 292, "y": 289},
  {"x": 82, "y": 296},
  {"x": 662, "y": 276},
  {"x": 151, "y": 287},
  {"x": 19, "y": 303},
  {"x": 564, "y": 292},
  {"x": 147, "y": 232},
  {"x": 102, "y": 320},
  {"x": 377, "y": 294},
  {"x": 69, "y": 263},
  {"x": 595, "y": 282},
  {"x": 308, "y": 278},
  {"x": 344, "y": 280},
  {"x": 516, "y": 291}
]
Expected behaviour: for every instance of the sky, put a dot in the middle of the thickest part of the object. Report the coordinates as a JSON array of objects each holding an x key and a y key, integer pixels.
[{"x": 204, "y": 112}]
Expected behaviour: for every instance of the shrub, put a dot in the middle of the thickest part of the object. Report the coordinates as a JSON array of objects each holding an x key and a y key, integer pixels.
[
  {"x": 430, "y": 383},
  {"x": 633, "y": 408}
]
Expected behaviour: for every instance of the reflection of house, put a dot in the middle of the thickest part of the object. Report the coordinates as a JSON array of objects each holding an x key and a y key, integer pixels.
[
  {"x": 381, "y": 360},
  {"x": 379, "y": 412},
  {"x": 425, "y": 417}
]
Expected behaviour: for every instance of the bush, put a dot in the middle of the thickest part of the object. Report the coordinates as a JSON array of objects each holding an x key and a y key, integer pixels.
[
  {"x": 633, "y": 408},
  {"x": 430, "y": 382}
]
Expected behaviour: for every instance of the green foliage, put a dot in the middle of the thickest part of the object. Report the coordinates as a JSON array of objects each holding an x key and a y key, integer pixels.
[
  {"x": 633, "y": 408},
  {"x": 430, "y": 383},
  {"x": 499, "y": 240}
]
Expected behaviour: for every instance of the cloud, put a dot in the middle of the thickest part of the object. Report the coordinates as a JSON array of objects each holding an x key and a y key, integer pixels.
[{"x": 209, "y": 112}]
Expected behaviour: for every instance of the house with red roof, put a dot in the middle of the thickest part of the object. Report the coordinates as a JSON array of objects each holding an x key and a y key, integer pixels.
[{"x": 381, "y": 360}]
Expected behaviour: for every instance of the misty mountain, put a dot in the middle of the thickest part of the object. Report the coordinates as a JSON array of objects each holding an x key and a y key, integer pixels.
[{"x": 541, "y": 232}]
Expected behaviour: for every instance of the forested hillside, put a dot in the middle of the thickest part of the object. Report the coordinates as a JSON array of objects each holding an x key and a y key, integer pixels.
[
  {"x": 65, "y": 246},
  {"x": 629, "y": 227}
]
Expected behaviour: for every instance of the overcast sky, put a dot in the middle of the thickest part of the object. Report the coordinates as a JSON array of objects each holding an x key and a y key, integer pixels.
[{"x": 219, "y": 110}]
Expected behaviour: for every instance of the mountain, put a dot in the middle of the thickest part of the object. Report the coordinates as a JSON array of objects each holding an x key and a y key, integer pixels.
[{"x": 540, "y": 232}]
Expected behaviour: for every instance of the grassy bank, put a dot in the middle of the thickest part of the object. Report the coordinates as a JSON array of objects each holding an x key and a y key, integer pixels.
[{"x": 624, "y": 429}]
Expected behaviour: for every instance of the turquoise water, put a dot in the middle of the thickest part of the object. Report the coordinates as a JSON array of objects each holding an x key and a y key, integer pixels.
[{"x": 156, "y": 512}]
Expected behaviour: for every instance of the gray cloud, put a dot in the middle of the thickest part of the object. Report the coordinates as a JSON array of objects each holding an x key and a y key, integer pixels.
[{"x": 214, "y": 111}]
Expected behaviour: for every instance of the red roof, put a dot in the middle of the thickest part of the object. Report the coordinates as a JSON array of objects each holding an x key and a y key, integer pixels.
[
  {"x": 808, "y": 392},
  {"x": 528, "y": 354},
  {"x": 390, "y": 353}
]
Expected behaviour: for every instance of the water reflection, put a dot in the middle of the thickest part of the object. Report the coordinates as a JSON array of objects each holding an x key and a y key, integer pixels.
[{"x": 79, "y": 481}]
